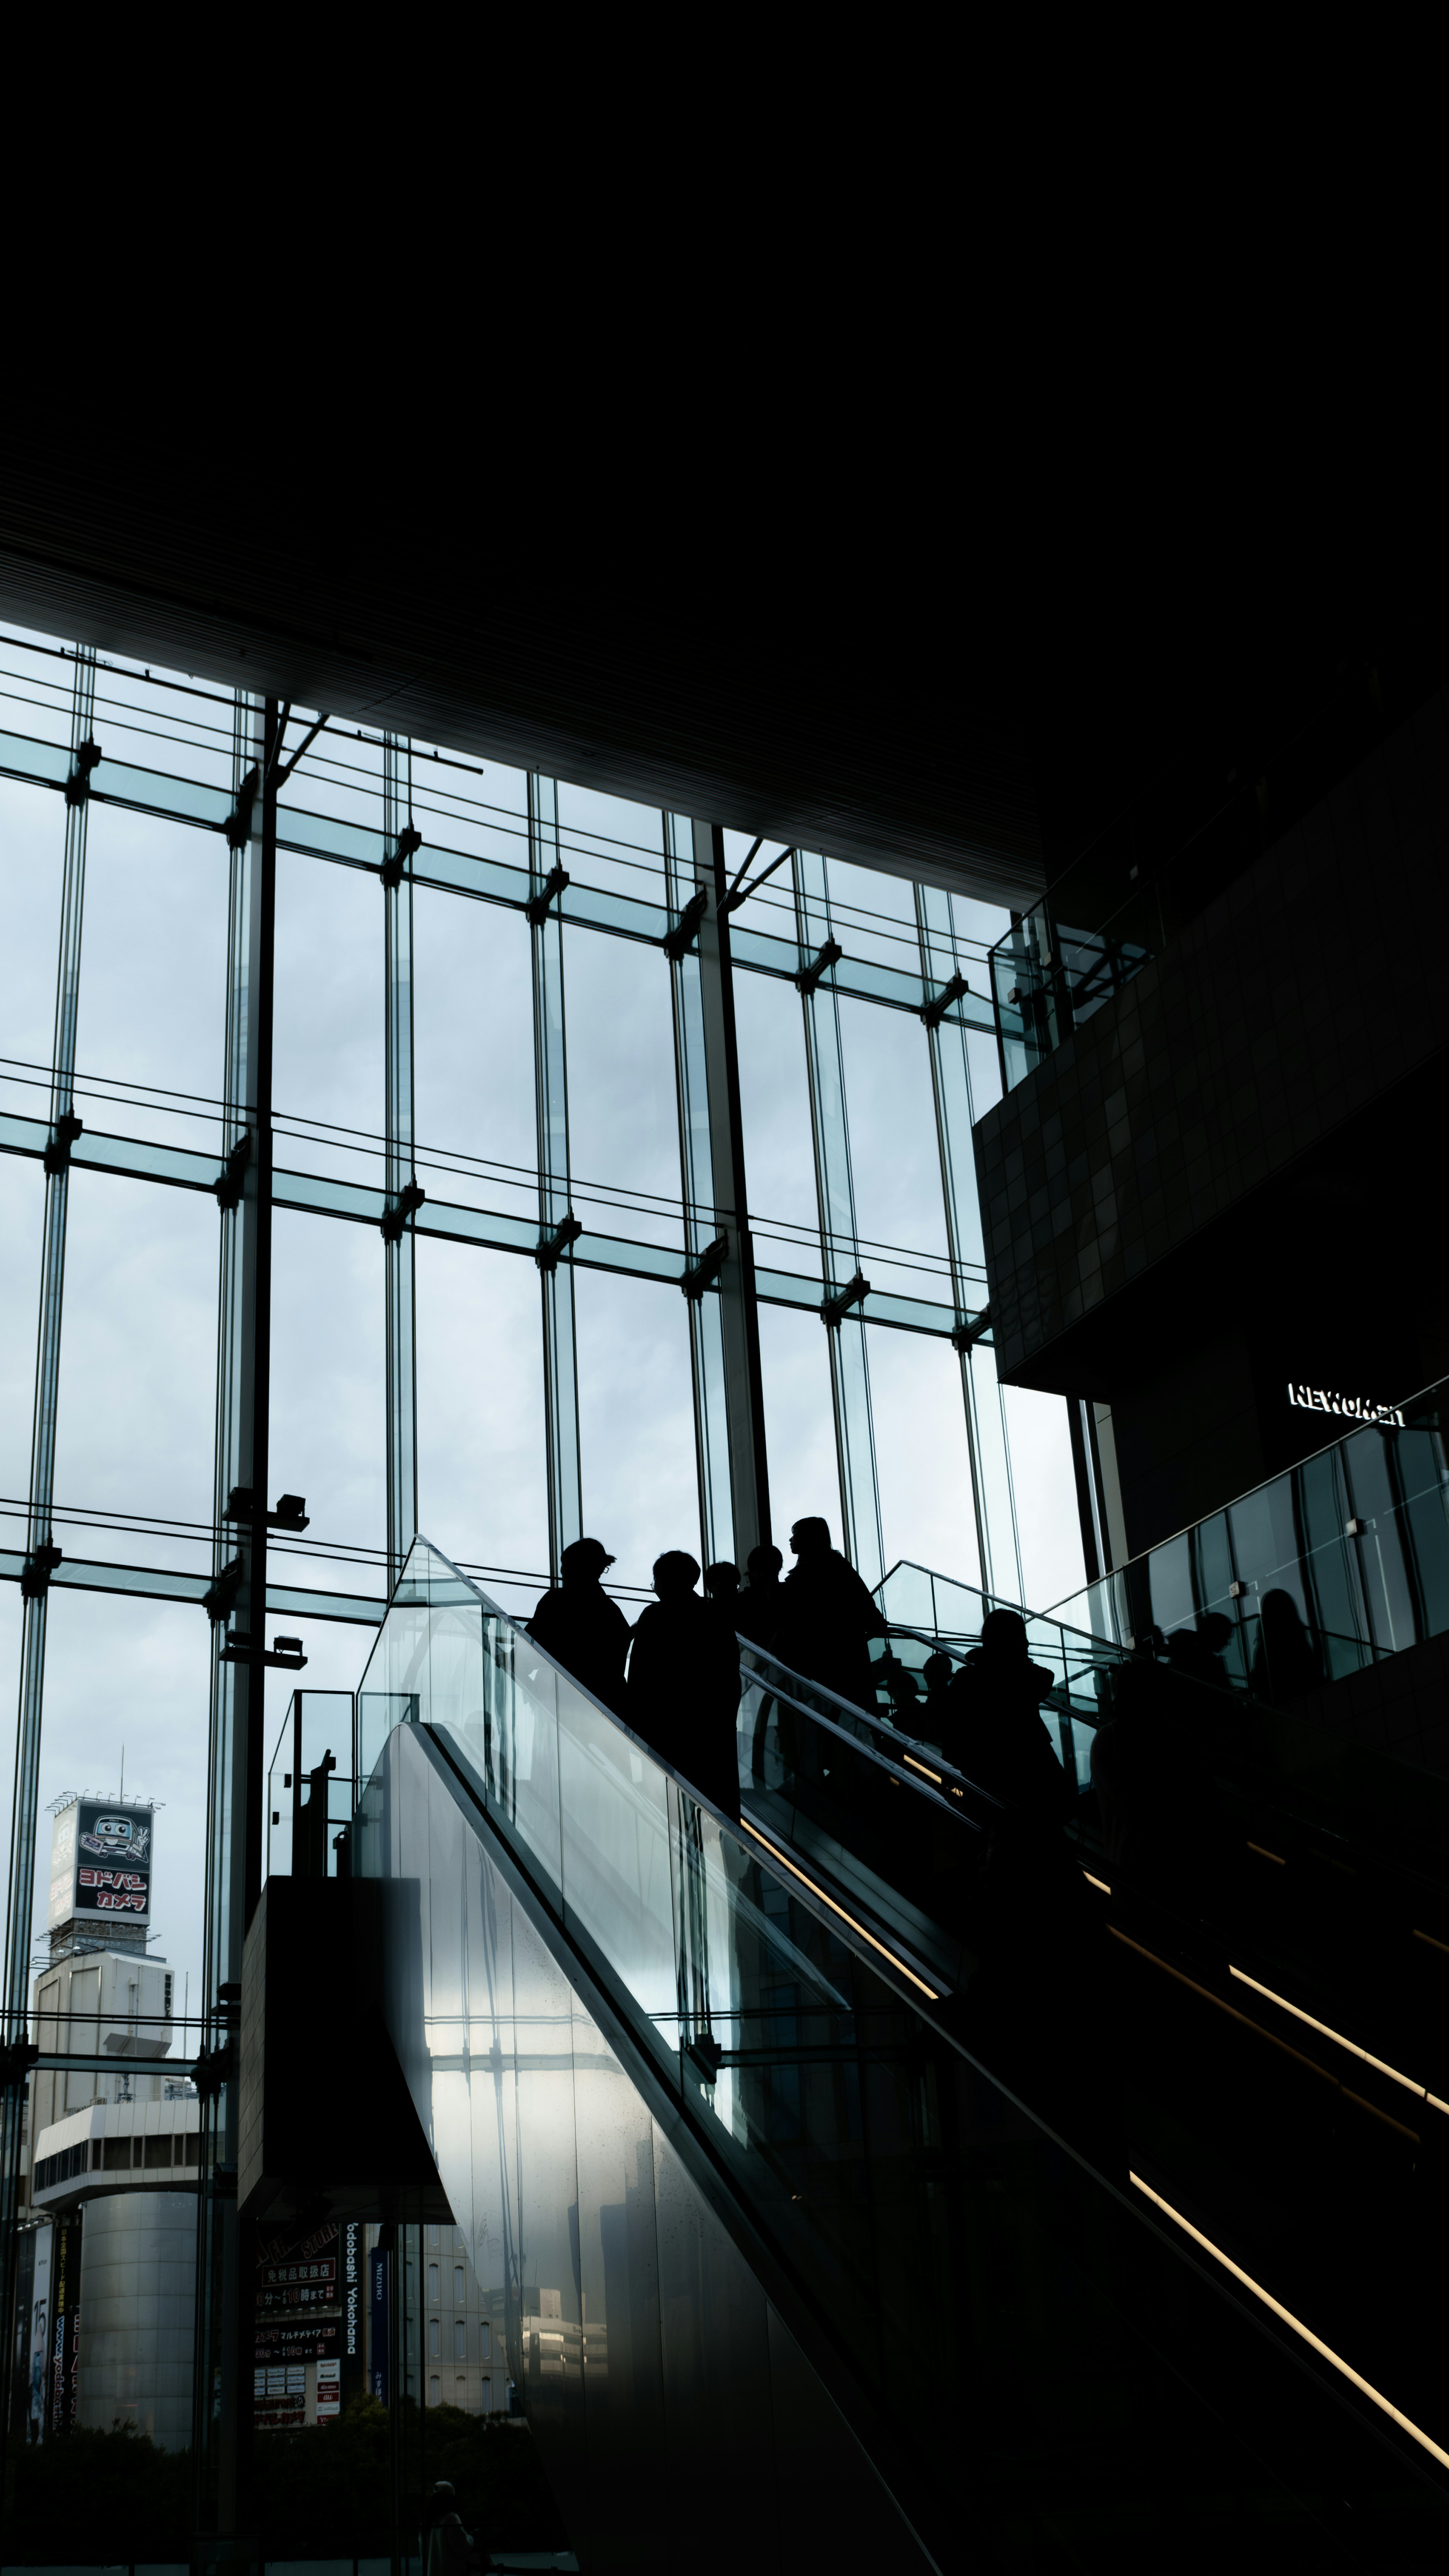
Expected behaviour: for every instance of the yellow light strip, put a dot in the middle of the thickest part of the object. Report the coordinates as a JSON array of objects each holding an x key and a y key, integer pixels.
[
  {"x": 937, "y": 1776},
  {"x": 1264, "y": 1854},
  {"x": 1096, "y": 1882},
  {"x": 1315, "y": 2342},
  {"x": 898, "y": 1964},
  {"x": 1433, "y": 1944},
  {"x": 1336, "y": 2036}
]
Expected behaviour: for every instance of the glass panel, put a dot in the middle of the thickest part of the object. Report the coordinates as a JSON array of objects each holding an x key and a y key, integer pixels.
[
  {"x": 328, "y": 1062},
  {"x": 799, "y": 1422},
  {"x": 603, "y": 841},
  {"x": 178, "y": 728},
  {"x": 22, "y": 1210},
  {"x": 136, "y": 1419},
  {"x": 37, "y": 687},
  {"x": 482, "y": 1481},
  {"x": 894, "y": 1157},
  {"x": 328, "y": 1428},
  {"x": 623, "y": 1113},
  {"x": 473, "y": 1053},
  {"x": 636, "y": 1422},
  {"x": 923, "y": 1458},
  {"x": 1044, "y": 1488},
  {"x": 873, "y": 915},
  {"x": 479, "y": 807},
  {"x": 153, "y": 977},
  {"x": 775, "y": 1112},
  {"x": 32, "y": 861},
  {"x": 341, "y": 775},
  {"x": 123, "y": 1683}
]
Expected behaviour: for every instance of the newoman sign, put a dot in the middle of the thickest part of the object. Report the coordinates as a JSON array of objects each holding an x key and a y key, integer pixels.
[{"x": 1321, "y": 1399}]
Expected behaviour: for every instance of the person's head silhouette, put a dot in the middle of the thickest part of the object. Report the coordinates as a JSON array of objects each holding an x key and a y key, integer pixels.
[
  {"x": 764, "y": 1565},
  {"x": 936, "y": 1672},
  {"x": 1003, "y": 1636},
  {"x": 675, "y": 1575},
  {"x": 722, "y": 1580},
  {"x": 583, "y": 1561},
  {"x": 810, "y": 1539}
]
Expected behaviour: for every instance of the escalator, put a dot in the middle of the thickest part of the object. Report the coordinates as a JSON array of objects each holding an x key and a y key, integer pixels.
[{"x": 865, "y": 2176}]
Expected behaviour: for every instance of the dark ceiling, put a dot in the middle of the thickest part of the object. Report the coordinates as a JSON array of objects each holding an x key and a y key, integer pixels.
[{"x": 878, "y": 682}]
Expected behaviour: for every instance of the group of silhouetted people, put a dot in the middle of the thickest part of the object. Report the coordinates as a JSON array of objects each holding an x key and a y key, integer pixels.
[{"x": 674, "y": 1677}]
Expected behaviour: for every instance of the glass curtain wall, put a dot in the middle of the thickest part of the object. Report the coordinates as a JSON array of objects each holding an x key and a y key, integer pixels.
[{"x": 522, "y": 1079}]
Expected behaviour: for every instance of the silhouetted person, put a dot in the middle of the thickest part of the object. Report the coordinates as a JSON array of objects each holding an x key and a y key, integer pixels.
[
  {"x": 937, "y": 1718},
  {"x": 581, "y": 1627},
  {"x": 684, "y": 1682},
  {"x": 827, "y": 1617},
  {"x": 722, "y": 1584},
  {"x": 1198, "y": 1650},
  {"x": 1286, "y": 1661},
  {"x": 899, "y": 1686},
  {"x": 452, "y": 2551},
  {"x": 756, "y": 1617},
  {"x": 996, "y": 1699},
  {"x": 757, "y": 1608}
]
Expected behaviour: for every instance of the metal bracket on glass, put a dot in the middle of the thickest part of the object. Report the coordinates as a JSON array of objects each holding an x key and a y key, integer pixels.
[
  {"x": 214, "y": 2067},
  {"x": 547, "y": 1251},
  {"x": 707, "y": 2054},
  {"x": 220, "y": 1601},
  {"x": 963, "y": 1335},
  {"x": 676, "y": 943},
  {"x": 1355, "y": 1529},
  {"x": 63, "y": 1135},
  {"x": 538, "y": 904},
  {"x": 290, "y": 1514},
  {"x": 78, "y": 785},
  {"x": 285, "y": 1652},
  {"x": 37, "y": 1570},
  {"x": 409, "y": 842},
  {"x": 854, "y": 1293},
  {"x": 394, "y": 1218},
  {"x": 934, "y": 1011},
  {"x": 17, "y": 2060},
  {"x": 238, "y": 824},
  {"x": 809, "y": 976},
  {"x": 228, "y": 1183},
  {"x": 709, "y": 1265}
]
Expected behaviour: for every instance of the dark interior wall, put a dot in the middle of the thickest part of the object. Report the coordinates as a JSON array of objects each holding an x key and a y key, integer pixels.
[{"x": 1231, "y": 1176}]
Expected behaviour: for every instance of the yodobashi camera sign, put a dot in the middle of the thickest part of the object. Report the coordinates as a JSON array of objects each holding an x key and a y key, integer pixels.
[{"x": 100, "y": 1861}]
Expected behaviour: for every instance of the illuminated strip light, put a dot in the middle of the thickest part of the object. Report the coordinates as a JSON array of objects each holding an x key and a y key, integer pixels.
[
  {"x": 1271, "y": 2036},
  {"x": 923, "y": 1766},
  {"x": 1315, "y": 2342},
  {"x": 1433, "y": 1944},
  {"x": 1096, "y": 1882},
  {"x": 898, "y": 1964},
  {"x": 1264, "y": 1854},
  {"x": 1378, "y": 2063}
]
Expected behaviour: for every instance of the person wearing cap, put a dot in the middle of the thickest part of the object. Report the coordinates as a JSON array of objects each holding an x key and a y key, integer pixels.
[{"x": 581, "y": 1627}]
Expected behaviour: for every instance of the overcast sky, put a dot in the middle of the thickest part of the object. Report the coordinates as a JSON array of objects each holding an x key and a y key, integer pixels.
[{"x": 136, "y": 1415}]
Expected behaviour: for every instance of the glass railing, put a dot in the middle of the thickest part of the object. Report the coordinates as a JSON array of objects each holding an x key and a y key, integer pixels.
[
  {"x": 311, "y": 1793},
  {"x": 885, "y": 2112},
  {"x": 1047, "y": 980},
  {"x": 1160, "y": 864},
  {"x": 1326, "y": 1569}
]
